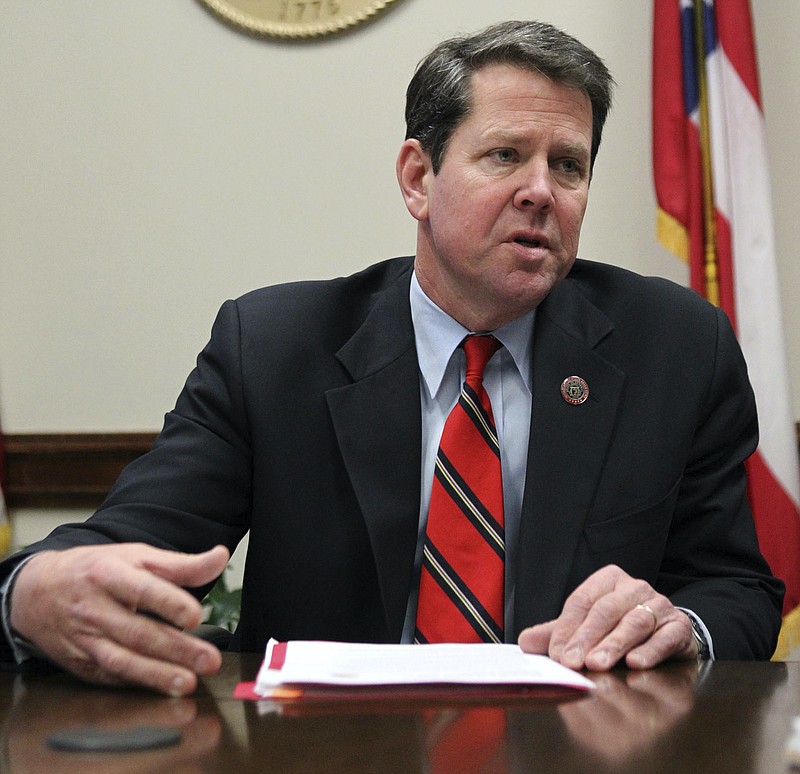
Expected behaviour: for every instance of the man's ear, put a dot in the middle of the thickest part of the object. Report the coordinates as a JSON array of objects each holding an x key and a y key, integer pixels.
[{"x": 414, "y": 172}]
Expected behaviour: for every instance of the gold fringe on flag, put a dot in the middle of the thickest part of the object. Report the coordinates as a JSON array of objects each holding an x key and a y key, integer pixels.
[
  {"x": 789, "y": 638},
  {"x": 5, "y": 537},
  {"x": 671, "y": 233}
]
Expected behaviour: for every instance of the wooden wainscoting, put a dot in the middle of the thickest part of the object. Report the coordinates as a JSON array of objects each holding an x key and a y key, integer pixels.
[
  {"x": 73, "y": 470},
  {"x": 67, "y": 470}
]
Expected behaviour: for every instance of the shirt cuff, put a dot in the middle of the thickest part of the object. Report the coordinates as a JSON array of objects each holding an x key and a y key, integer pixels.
[
  {"x": 700, "y": 630},
  {"x": 22, "y": 649}
]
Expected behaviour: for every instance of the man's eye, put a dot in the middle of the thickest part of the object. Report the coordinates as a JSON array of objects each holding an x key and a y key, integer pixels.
[
  {"x": 505, "y": 155},
  {"x": 570, "y": 166}
]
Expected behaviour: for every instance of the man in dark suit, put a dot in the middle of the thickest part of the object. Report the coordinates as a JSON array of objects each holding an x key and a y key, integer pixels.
[{"x": 622, "y": 406}]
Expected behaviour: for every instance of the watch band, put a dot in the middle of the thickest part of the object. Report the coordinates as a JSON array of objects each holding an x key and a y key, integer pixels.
[{"x": 703, "y": 651}]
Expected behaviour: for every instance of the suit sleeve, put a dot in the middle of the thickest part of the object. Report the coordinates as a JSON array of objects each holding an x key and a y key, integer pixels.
[
  {"x": 713, "y": 565},
  {"x": 192, "y": 490}
]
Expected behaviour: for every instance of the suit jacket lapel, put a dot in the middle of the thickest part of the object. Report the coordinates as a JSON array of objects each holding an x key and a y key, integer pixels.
[
  {"x": 567, "y": 448},
  {"x": 377, "y": 423}
]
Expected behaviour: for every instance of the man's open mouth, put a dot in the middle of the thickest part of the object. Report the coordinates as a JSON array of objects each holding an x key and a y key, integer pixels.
[{"x": 529, "y": 242}]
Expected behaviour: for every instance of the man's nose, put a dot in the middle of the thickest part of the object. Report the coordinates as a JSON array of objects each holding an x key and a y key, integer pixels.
[{"x": 535, "y": 187}]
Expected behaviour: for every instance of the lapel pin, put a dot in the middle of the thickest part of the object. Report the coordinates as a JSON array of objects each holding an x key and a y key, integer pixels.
[{"x": 574, "y": 390}]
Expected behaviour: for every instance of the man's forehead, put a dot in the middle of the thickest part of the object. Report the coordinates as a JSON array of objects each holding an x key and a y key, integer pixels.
[
  {"x": 507, "y": 98},
  {"x": 485, "y": 80}
]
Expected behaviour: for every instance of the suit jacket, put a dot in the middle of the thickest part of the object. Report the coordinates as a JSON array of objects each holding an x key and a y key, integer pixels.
[{"x": 301, "y": 423}]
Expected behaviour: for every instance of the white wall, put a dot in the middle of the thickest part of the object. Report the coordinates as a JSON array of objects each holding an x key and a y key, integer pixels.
[{"x": 156, "y": 162}]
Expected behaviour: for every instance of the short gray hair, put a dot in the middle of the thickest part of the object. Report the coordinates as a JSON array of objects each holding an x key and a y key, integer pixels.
[{"x": 438, "y": 97}]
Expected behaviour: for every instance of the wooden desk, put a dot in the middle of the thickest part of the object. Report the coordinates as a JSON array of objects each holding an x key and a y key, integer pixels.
[{"x": 722, "y": 717}]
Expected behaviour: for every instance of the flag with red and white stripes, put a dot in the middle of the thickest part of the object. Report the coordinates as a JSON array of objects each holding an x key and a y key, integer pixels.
[{"x": 713, "y": 191}]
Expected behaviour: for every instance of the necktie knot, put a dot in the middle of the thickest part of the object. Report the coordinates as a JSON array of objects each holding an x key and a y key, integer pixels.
[{"x": 479, "y": 350}]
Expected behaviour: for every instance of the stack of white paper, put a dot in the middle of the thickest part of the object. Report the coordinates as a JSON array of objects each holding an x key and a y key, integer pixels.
[{"x": 311, "y": 663}]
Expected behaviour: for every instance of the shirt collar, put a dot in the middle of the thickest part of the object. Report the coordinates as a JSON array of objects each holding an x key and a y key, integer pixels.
[{"x": 437, "y": 335}]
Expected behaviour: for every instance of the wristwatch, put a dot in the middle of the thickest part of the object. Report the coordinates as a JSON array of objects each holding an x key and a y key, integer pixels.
[{"x": 703, "y": 651}]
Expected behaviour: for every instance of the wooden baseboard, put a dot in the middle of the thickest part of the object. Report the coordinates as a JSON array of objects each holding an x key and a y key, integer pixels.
[
  {"x": 73, "y": 470},
  {"x": 67, "y": 470}
]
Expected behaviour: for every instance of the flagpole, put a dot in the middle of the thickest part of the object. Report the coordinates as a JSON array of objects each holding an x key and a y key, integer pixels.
[{"x": 709, "y": 209}]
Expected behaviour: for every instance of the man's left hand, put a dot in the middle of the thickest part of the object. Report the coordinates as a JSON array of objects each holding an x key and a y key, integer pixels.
[{"x": 609, "y": 617}]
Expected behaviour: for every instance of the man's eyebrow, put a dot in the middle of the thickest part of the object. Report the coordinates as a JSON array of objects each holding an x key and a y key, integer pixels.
[
  {"x": 499, "y": 136},
  {"x": 578, "y": 150}
]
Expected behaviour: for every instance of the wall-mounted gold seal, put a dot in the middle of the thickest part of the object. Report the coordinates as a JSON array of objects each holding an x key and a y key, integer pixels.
[{"x": 296, "y": 18}]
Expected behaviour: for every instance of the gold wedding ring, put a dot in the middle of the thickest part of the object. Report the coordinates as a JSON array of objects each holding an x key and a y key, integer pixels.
[{"x": 649, "y": 610}]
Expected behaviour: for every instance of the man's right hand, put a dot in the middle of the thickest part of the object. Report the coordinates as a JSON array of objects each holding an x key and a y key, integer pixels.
[{"x": 82, "y": 608}]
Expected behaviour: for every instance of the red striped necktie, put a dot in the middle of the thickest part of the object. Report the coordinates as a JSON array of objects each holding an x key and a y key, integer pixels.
[{"x": 463, "y": 565}]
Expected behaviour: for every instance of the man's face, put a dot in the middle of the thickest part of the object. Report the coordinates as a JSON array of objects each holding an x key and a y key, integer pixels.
[{"x": 499, "y": 224}]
